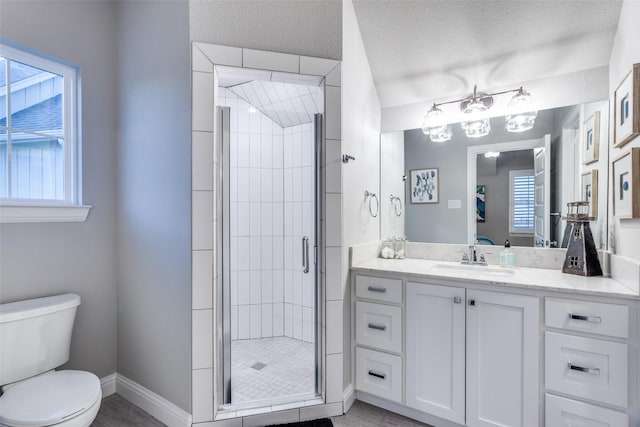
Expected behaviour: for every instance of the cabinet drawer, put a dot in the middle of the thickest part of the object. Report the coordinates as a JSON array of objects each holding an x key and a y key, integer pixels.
[
  {"x": 379, "y": 374},
  {"x": 379, "y": 326},
  {"x": 587, "y": 367},
  {"x": 561, "y": 412},
  {"x": 379, "y": 288},
  {"x": 586, "y": 316}
]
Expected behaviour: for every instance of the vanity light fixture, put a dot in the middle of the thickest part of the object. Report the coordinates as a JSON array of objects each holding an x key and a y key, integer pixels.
[
  {"x": 475, "y": 107},
  {"x": 520, "y": 115},
  {"x": 491, "y": 154},
  {"x": 434, "y": 125}
]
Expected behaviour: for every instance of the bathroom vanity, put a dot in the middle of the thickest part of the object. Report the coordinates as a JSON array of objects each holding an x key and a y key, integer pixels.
[{"x": 455, "y": 345}]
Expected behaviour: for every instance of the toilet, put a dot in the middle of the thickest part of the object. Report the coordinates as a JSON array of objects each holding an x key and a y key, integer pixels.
[{"x": 35, "y": 338}]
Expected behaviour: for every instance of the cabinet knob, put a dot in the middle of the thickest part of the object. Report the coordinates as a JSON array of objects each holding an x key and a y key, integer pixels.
[
  {"x": 472, "y": 302},
  {"x": 457, "y": 300}
]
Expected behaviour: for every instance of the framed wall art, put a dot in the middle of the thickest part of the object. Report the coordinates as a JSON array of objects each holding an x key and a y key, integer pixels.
[
  {"x": 625, "y": 171},
  {"x": 425, "y": 184},
  {"x": 590, "y": 191},
  {"x": 591, "y": 139},
  {"x": 626, "y": 108},
  {"x": 481, "y": 193}
]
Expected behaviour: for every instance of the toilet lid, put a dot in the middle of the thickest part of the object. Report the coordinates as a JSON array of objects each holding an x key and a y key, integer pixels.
[{"x": 49, "y": 398}]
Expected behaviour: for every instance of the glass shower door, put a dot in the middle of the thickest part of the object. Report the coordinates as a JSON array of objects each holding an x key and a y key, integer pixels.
[{"x": 269, "y": 290}]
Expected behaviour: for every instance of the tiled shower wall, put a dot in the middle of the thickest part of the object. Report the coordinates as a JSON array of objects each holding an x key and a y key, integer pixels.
[
  {"x": 205, "y": 277},
  {"x": 257, "y": 223},
  {"x": 272, "y": 198},
  {"x": 299, "y": 193}
]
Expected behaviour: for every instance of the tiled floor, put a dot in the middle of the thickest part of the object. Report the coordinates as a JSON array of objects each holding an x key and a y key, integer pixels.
[
  {"x": 116, "y": 411},
  {"x": 289, "y": 369},
  {"x": 362, "y": 414}
]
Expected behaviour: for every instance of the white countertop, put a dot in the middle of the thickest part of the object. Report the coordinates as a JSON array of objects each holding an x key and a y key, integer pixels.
[{"x": 522, "y": 277}]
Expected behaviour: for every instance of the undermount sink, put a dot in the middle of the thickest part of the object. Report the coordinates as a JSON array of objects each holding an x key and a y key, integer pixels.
[{"x": 472, "y": 270}]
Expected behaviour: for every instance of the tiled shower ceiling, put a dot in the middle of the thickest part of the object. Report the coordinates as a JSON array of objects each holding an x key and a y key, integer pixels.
[{"x": 286, "y": 104}]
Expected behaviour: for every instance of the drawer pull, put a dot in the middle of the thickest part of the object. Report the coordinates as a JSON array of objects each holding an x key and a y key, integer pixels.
[
  {"x": 377, "y": 327},
  {"x": 376, "y": 289},
  {"x": 592, "y": 371},
  {"x": 593, "y": 319},
  {"x": 377, "y": 375}
]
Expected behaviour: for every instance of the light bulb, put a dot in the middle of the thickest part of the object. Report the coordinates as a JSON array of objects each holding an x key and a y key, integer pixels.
[
  {"x": 435, "y": 126},
  {"x": 476, "y": 126},
  {"x": 521, "y": 115}
]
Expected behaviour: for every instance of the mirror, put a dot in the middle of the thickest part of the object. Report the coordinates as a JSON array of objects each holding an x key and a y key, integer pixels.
[{"x": 504, "y": 185}]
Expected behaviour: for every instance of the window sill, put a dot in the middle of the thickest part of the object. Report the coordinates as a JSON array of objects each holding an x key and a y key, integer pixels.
[{"x": 43, "y": 213}]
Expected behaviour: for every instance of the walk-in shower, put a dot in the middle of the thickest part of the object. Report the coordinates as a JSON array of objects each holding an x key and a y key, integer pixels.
[{"x": 269, "y": 133}]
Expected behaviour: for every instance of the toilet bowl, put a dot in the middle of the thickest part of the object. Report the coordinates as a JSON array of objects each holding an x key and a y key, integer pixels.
[
  {"x": 60, "y": 398},
  {"x": 35, "y": 337}
]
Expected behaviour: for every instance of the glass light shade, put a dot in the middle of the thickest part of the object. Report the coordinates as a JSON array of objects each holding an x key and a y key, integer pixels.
[
  {"x": 440, "y": 133},
  {"x": 476, "y": 127},
  {"x": 435, "y": 126},
  {"x": 521, "y": 115}
]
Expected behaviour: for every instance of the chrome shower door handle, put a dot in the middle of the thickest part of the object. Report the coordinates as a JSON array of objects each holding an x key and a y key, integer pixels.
[{"x": 305, "y": 254}]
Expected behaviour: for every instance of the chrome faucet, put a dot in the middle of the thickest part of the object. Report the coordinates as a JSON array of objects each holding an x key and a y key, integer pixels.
[
  {"x": 473, "y": 253},
  {"x": 472, "y": 256}
]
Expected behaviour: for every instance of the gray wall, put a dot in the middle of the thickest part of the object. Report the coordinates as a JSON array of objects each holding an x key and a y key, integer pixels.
[
  {"x": 45, "y": 259},
  {"x": 154, "y": 198},
  {"x": 496, "y": 225},
  {"x": 310, "y": 27},
  {"x": 425, "y": 222}
]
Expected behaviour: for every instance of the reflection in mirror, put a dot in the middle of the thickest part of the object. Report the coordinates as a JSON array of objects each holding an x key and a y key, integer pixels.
[
  {"x": 499, "y": 217},
  {"x": 454, "y": 219}
]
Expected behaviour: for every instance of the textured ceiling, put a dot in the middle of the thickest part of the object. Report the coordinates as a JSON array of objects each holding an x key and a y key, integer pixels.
[
  {"x": 428, "y": 50},
  {"x": 308, "y": 27}
]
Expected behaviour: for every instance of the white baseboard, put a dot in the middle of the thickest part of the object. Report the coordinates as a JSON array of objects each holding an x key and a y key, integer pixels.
[
  {"x": 154, "y": 404},
  {"x": 349, "y": 397},
  {"x": 108, "y": 385}
]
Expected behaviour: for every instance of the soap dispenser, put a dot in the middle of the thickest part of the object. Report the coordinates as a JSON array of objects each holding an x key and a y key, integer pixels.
[{"x": 507, "y": 258}]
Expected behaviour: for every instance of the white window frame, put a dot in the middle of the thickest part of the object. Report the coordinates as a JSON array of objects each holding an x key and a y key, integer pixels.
[
  {"x": 512, "y": 175},
  {"x": 70, "y": 209}
]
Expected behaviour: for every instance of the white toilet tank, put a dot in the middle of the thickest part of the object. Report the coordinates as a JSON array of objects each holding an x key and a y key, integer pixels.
[{"x": 35, "y": 335}]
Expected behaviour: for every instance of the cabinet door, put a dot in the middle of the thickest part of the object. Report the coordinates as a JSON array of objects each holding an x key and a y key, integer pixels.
[
  {"x": 435, "y": 350},
  {"x": 502, "y": 359}
]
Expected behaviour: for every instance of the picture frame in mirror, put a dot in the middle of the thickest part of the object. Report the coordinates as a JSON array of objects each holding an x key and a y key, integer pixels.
[
  {"x": 481, "y": 199},
  {"x": 626, "y": 108},
  {"x": 625, "y": 170},
  {"x": 591, "y": 139},
  {"x": 590, "y": 191},
  {"x": 424, "y": 185}
]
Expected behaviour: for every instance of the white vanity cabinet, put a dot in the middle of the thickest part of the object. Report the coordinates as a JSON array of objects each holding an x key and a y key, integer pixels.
[
  {"x": 497, "y": 381},
  {"x": 378, "y": 335},
  {"x": 587, "y": 357},
  {"x": 502, "y": 359},
  {"x": 455, "y": 352},
  {"x": 435, "y": 351}
]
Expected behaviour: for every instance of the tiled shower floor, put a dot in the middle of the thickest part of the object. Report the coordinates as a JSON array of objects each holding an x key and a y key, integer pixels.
[{"x": 289, "y": 368}]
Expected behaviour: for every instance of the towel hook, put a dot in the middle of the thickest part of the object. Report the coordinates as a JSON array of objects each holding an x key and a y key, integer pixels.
[{"x": 370, "y": 197}]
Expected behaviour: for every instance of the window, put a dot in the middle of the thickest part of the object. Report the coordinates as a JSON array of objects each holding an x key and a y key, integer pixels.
[
  {"x": 521, "y": 201},
  {"x": 38, "y": 141}
]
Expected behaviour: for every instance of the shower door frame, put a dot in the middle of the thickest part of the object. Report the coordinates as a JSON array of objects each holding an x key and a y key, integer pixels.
[{"x": 223, "y": 384}]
